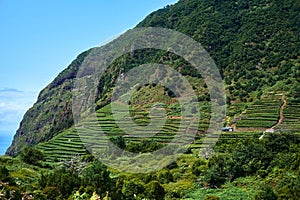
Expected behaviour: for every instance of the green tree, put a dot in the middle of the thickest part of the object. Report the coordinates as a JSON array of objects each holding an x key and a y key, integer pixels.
[
  {"x": 119, "y": 142},
  {"x": 248, "y": 157},
  {"x": 214, "y": 176},
  {"x": 199, "y": 166},
  {"x": 290, "y": 188},
  {"x": 97, "y": 176},
  {"x": 32, "y": 155},
  {"x": 210, "y": 197},
  {"x": 52, "y": 193},
  {"x": 38, "y": 194},
  {"x": 13, "y": 193},
  {"x": 280, "y": 142},
  {"x": 133, "y": 189},
  {"x": 165, "y": 176},
  {"x": 155, "y": 190},
  {"x": 217, "y": 173},
  {"x": 4, "y": 174},
  {"x": 266, "y": 193},
  {"x": 61, "y": 179}
]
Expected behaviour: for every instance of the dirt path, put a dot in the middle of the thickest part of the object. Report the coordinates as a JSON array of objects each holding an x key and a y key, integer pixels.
[
  {"x": 282, "y": 106},
  {"x": 280, "y": 113}
]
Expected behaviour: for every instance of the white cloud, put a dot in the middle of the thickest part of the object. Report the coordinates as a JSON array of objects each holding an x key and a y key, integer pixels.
[{"x": 13, "y": 105}]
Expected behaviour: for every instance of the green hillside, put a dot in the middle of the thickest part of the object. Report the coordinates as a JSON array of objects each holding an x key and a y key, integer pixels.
[{"x": 255, "y": 45}]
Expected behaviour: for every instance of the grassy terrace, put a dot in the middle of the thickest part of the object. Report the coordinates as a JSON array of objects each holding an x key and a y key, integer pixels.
[
  {"x": 63, "y": 146},
  {"x": 261, "y": 114},
  {"x": 226, "y": 138},
  {"x": 291, "y": 117},
  {"x": 69, "y": 143}
]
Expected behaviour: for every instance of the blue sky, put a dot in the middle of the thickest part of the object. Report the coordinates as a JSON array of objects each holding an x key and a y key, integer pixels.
[{"x": 40, "y": 38}]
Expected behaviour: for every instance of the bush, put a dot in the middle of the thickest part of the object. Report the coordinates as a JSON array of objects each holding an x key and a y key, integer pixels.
[
  {"x": 210, "y": 197},
  {"x": 265, "y": 194},
  {"x": 32, "y": 156},
  {"x": 52, "y": 193},
  {"x": 38, "y": 194},
  {"x": 4, "y": 174},
  {"x": 133, "y": 188},
  {"x": 155, "y": 190}
]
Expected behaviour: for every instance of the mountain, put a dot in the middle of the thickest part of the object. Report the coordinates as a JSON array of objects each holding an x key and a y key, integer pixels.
[
  {"x": 51, "y": 113},
  {"x": 255, "y": 45}
]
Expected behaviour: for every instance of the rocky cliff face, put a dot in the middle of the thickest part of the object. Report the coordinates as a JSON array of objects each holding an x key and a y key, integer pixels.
[
  {"x": 254, "y": 44},
  {"x": 51, "y": 113}
]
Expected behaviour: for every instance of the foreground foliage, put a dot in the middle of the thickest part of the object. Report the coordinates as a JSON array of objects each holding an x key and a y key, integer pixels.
[{"x": 249, "y": 169}]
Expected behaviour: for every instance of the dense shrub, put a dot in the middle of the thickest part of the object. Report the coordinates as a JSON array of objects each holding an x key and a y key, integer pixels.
[
  {"x": 155, "y": 190},
  {"x": 32, "y": 155},
  {"x": 4, "y": 174},
  {"x": 134, "y": 188},
  {"x": 210, "y": 197},
  {"x": 52, "y": 193},
  {"x": 265, "y": 193}
]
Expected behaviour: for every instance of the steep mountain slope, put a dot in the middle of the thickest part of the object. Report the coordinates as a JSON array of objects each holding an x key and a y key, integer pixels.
[
  {"x": 51, "y": 113},
  {"x": 255, "y": 46}
]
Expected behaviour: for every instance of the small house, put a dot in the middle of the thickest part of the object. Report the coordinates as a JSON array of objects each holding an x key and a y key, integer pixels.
[{"x": 228, "y": 129}]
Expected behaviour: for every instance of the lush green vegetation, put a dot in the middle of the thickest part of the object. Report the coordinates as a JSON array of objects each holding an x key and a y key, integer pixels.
[
  {"x": 291, "y": 116},
  {"x": 246, "y": 169},
  {"x": 261, "y": 113},
  {"x": 255, "y": 46}
]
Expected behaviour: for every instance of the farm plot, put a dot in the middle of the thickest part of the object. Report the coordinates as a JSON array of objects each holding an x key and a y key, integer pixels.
[
  {"x": 63, "y": 147},
  {"x": 70, "y": 142},
  {"x": 261, "y": 114},
  {"x": 225, "y": 138},
  {"x": 291, "y": 117}
]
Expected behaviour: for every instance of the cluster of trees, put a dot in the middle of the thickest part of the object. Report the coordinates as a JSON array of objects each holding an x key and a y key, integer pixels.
[
  {"x": 247, "y": 40},
  {"x": 275, "y": 159},
  {"x": 135, "y": 147},
  {"x": 79, "y": 178},
  {"x": 64, "y": 181}
]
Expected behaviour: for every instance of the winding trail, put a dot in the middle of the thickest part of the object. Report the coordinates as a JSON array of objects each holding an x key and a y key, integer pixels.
[
  {"x": 280, "y": 113},
  {"x": 282, "y": 106}
]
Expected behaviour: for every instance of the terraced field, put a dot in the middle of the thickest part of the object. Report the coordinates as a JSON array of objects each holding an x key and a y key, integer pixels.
[
  {"x": 63, "y": 147},
  {"x": 70, "y": 142},
  {"x": 291, "y": 117},
  {"x": 261, "y": 114},
  {"x": 227, "y": 138},
  {"x": 255, "y": 118}
]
